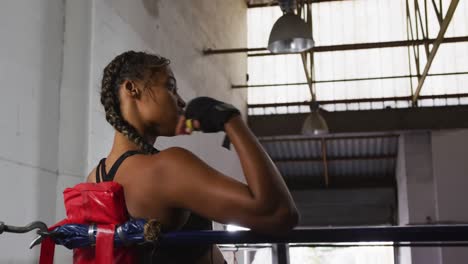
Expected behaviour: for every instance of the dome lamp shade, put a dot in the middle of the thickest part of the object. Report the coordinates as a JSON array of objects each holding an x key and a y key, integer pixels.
[{"x": 290, "y": 34}]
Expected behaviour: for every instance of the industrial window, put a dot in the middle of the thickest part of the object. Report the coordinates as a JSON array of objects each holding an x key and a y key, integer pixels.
[{"x": 359, "y": 79}]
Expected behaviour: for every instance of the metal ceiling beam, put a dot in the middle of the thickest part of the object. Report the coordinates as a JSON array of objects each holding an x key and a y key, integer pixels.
[
  {"x": 342, "y": 47},
  {"x": 384, "y": 120},
  {"x": 361, "y": 100},
  {"x": 237, "y": 50},
  {"x": 275, "y": 3},
  {"x": 334, "y": 159},
  {"x": 438, "y": 13},
  {"x": 435, "y": 47},
  {"x": 424, "y": 26},
  {"x": 327, "y": 137},
  {"x": 239, "y": 86},
  {"x": 413, "y": 36},
  {"x": 310, "y": 182}
]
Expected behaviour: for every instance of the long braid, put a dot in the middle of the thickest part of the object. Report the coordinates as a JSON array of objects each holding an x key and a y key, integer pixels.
[{"x": 128, "y": 65}]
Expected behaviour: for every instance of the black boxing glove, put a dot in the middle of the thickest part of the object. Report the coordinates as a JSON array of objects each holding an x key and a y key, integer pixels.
[{"x": 212, "y": 114}]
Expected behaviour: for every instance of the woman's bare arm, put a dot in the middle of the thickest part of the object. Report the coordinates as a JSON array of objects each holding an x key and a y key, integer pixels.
[{"x": 264, "y": 204}]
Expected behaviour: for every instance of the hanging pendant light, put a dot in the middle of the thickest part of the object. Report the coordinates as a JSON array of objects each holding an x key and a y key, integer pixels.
[
  {"x": 314, "y": 124},
  {"x": 290, "y": 34}
]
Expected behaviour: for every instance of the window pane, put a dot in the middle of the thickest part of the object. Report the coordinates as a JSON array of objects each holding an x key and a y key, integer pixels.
[
  {"x": 347, "y": 22},
  {"x": 342, "y": 255}
]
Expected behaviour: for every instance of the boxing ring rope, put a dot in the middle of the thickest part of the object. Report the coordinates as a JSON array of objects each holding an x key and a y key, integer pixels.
[
  {"x": 439, "y": 235},
  {"x": 427, "y": 235}
]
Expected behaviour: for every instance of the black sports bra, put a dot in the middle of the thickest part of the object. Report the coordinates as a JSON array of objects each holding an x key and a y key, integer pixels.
[{"x": 102, "y": 175}]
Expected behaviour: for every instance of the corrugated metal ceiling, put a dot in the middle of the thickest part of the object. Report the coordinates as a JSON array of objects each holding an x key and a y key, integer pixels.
[{"x": 301, "y": 158}]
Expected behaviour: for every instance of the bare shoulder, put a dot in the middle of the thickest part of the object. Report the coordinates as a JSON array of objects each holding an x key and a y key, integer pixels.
[
  {"x": 174, "y": 159},
  {"x": 180, "y": 166},
  {"x": 166, "y": 176},
  {"x": 175, "y": 152},
  {"x": 166, "y": 171}
]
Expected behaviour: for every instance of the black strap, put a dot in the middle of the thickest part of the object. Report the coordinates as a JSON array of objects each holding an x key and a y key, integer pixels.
[
  {"x": 98, "y": 171},
  {"x": 101, "y": 169},
  {"x": 115, "y": 167}
]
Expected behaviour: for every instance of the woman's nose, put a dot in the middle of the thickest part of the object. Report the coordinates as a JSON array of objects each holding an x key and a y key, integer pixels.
[{"x": 181, "y": 102}]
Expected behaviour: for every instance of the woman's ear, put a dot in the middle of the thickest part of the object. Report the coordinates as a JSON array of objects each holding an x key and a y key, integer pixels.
[{"x": 131, "y": 89}]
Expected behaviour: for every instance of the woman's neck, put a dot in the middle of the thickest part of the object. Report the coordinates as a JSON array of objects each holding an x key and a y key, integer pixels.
[{"x": 122, "y": 143}]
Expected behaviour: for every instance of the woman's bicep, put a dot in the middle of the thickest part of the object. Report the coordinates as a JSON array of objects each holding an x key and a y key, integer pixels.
[{"x": 194, "y": 185}]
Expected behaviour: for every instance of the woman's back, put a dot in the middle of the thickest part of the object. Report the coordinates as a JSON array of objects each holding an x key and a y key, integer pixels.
[
  {"x": 138, "y": 176},
  {"x": 151, "y": 206}
]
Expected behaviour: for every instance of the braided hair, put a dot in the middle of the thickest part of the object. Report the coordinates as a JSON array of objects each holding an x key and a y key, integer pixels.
[{"x": 129, "y": 65}]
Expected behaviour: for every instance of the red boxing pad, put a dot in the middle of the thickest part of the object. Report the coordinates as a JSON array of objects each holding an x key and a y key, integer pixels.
[
  {"x": 98, "y": 203},
  {"x": 102, "y": 204}
]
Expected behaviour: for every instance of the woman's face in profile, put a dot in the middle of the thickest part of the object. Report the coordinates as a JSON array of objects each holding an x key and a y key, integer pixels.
[{"x": 162, "y": 106}]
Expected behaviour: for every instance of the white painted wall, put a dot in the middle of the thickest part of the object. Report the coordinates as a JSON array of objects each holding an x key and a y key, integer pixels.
[
  {"x": 74, "y": 93},
  {"x": 30, "y": 73},
  {"x": 178, "y": 30},
  {"x": 52, "y": 55}
]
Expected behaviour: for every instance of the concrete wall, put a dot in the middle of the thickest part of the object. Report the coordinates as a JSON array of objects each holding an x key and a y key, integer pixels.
[
  {"x": 51, "y": 60},
  {"x": 74, "y": 93},
  {"x": 416, "y": 198},
  {"x": 403, "y": 254},
  {"x": 450, "y": 168},
  {"x": 431, "y": 177},
  {"x": 30, "y": 74},
  {"x": 178, "y": 30}
]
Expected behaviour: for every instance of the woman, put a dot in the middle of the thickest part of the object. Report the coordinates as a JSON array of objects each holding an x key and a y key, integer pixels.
[{"x": 139, "y": 94}]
